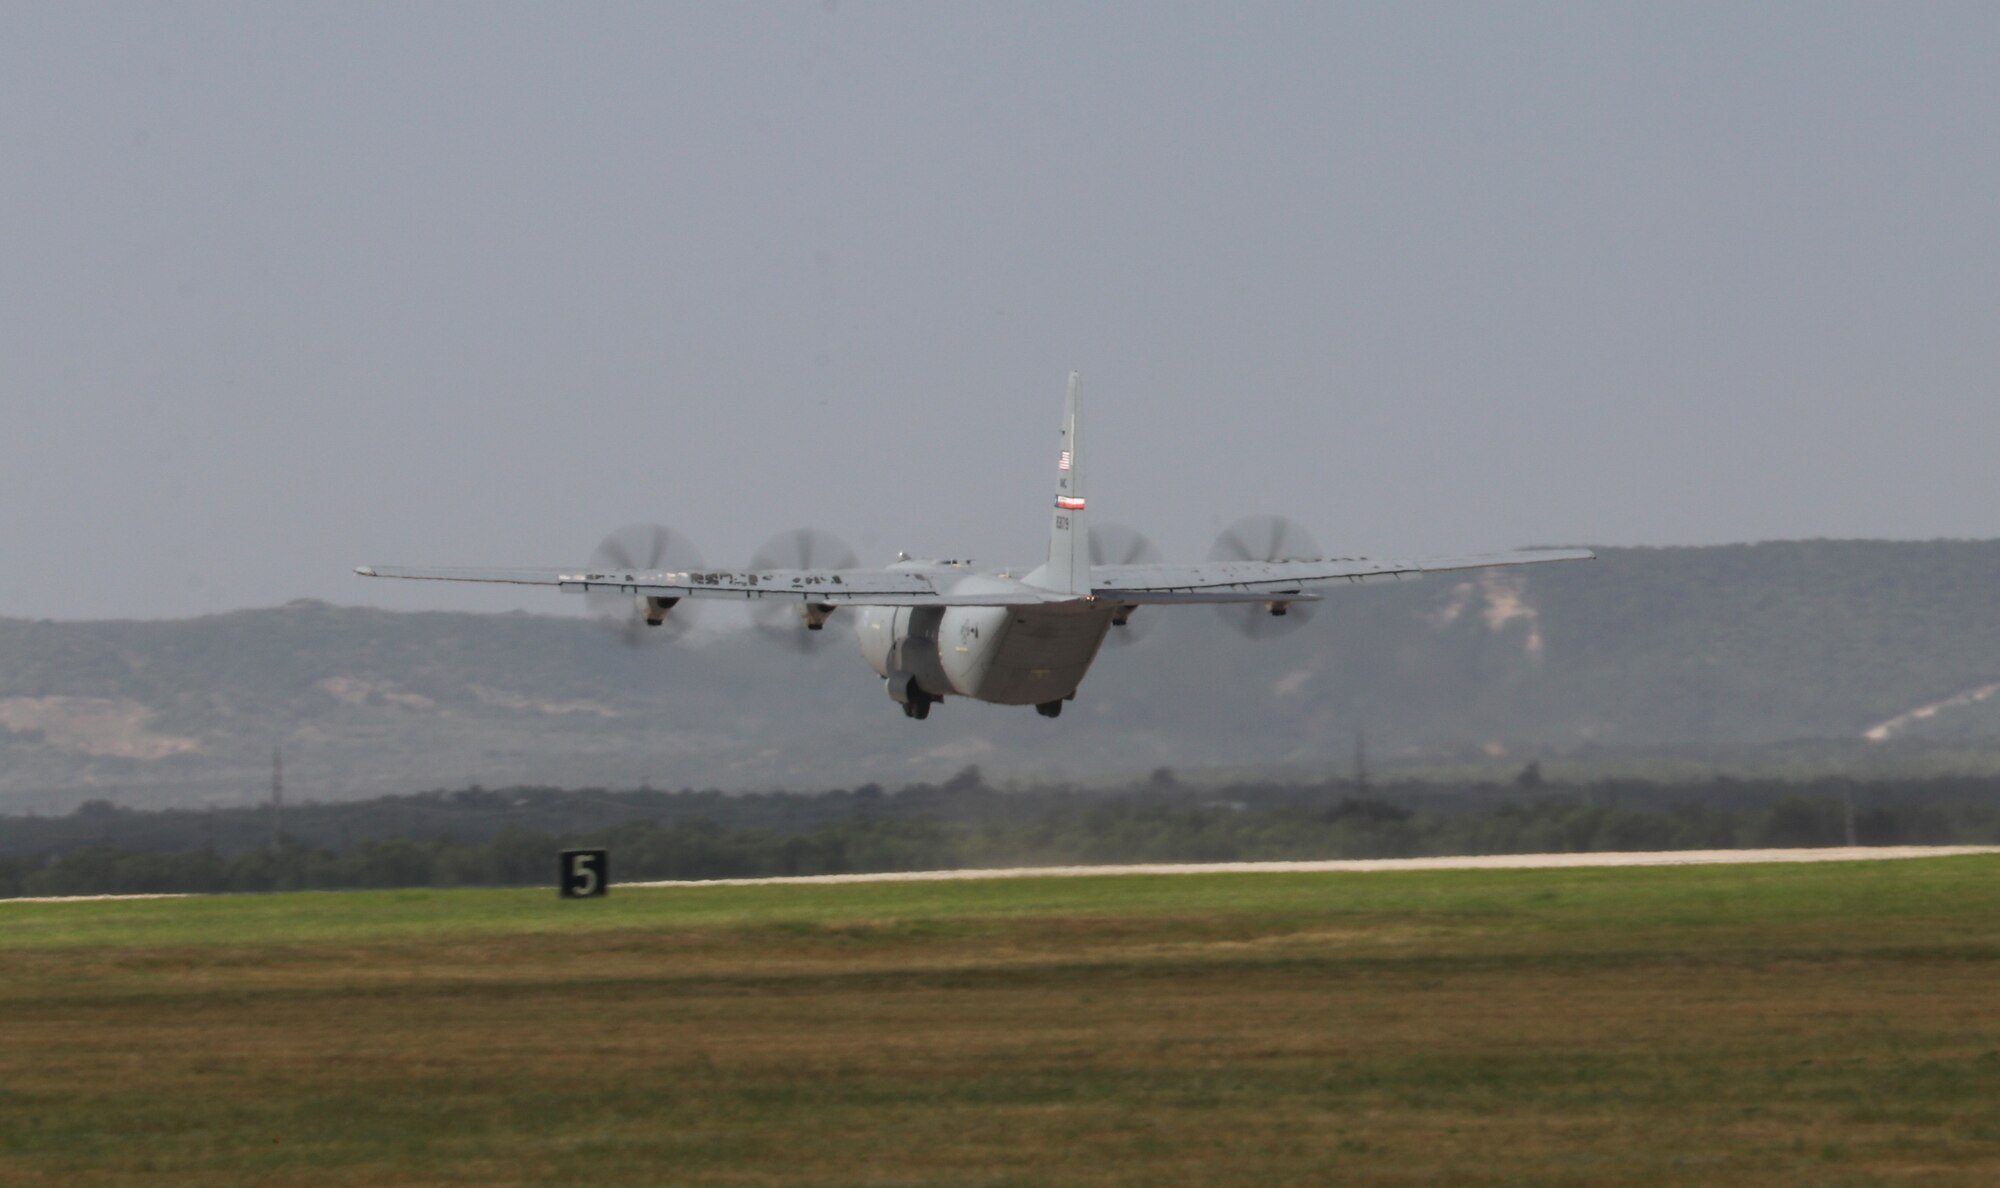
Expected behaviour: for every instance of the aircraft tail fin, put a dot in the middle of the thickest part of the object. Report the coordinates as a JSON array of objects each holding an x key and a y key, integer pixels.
[{"x": 1068, "y": 567}]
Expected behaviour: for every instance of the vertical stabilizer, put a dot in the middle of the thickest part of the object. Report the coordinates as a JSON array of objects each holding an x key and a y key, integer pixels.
[{"x": 1068, "y": 568}]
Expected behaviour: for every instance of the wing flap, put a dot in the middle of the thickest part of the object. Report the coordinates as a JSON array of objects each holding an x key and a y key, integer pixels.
[
  {"x": 833, "y": 587},
  {"x": 1259, "y": 581}
]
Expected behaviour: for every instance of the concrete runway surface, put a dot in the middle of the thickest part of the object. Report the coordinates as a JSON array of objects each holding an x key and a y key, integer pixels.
[
  {"x": 1474, "y": 862},
  {"x": 1471, "y": 862}
]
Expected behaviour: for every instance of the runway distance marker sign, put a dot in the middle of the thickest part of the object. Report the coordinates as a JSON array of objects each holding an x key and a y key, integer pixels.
[{"x": 583, "y": 874}]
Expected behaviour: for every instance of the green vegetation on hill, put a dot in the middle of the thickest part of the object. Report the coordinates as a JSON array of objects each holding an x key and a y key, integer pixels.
[{"x": 1664, "y": 651}]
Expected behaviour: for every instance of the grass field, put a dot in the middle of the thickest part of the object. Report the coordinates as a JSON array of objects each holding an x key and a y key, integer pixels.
[{"x": 1835, "y": 1024}]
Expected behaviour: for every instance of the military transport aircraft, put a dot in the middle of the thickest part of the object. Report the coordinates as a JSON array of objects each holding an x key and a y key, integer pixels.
[{"x": 934, "y": 629}]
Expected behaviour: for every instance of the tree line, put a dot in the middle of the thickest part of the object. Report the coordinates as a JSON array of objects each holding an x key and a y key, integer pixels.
[{"x": 471, "y": 838}]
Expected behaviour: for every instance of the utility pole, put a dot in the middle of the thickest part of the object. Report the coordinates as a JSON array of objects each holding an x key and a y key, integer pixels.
[
  {"x": 1360, "y": 760},
  {"x": 1847, "y": 810},
  {"x": 277, "y": 795}
]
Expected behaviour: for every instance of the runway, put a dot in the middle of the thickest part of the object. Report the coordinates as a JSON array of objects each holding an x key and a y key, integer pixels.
[
  {"x": 95, "y": 898},
  {"x": 1349, "y": 865},
  {"x": 1371, "y": 865}
]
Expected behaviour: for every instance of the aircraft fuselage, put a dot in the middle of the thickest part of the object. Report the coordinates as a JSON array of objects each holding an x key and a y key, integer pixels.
[{"x": 1018, "y": 655}]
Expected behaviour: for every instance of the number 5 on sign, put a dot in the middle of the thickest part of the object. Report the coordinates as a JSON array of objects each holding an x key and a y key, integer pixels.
[{"x": 582, "y": 874}]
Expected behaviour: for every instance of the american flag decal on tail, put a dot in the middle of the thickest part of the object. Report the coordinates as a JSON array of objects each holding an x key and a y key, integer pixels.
[{"x": 1062, "y": 461}]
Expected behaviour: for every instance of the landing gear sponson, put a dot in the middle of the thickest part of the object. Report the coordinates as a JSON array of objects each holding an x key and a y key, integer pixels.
[{"x": 917, "y": 702}]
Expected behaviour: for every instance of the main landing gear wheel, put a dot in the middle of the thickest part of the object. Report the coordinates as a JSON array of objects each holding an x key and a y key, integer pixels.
[
  {"x": 1050, "y": 709},
  {"x": 917, "y": 702}
]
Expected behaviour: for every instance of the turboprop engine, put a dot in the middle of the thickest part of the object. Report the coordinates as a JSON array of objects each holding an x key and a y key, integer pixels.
[
  {"x": 798, "y": 625},
  {"x": 635, "y": 549}
]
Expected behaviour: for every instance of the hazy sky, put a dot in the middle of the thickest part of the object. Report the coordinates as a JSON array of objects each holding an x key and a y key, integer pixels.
[{"x": 290, "y": 288}]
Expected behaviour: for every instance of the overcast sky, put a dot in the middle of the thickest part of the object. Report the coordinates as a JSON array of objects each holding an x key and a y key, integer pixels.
[{"x": 291, "y": 288}]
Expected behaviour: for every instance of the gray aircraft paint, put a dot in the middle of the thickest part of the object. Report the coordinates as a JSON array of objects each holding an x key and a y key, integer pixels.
[
  {"x": 1068, "y": 568},
  {"x": 933, "y": 629}
]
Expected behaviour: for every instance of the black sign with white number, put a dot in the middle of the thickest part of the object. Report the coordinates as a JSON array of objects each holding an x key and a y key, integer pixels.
[{"x": 583, "y": 874}]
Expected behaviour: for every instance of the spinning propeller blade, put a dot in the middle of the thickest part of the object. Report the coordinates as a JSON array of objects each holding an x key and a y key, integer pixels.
[
  {"x": 1118, "y": 544},
  {"x": 798, "y": 623},
  {"x": 639, "y": 549},
  {"x": 1266, "y": 538}
]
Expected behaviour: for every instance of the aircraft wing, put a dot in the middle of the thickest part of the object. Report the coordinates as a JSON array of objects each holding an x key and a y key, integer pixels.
[
  {"x": 1265, "y": 581},
  {"x": 830, "y": 587}
]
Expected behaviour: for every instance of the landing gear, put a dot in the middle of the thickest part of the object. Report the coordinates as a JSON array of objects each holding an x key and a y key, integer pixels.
[
  {"x": 1050, "y": 709},
  {"x": 917, "y": 702}
]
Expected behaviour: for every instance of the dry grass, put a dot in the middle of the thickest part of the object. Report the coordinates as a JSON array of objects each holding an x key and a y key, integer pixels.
[{"x": 1492, "y": 1029}]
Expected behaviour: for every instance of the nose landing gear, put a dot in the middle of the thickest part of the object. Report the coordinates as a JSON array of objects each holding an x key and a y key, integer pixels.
[{"x": 1050, "y": 709}]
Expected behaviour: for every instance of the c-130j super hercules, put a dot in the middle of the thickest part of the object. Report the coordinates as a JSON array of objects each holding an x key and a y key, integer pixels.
[{"x": 937, "y": 629}]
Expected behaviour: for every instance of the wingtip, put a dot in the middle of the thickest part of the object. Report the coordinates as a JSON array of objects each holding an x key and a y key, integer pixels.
[{"x": 365, "y": 570}]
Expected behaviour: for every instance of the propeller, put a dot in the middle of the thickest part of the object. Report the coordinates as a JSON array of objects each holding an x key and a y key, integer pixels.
[
  {"x": 639, "y": 549},
  {"x": 798, "y": 623},
  {"x": 1116, "y": 544},
  {"x": 1266, "y": 538}
]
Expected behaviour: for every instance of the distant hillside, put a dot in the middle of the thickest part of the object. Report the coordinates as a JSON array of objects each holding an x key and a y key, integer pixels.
[{"x": 1668, "y": 650}]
